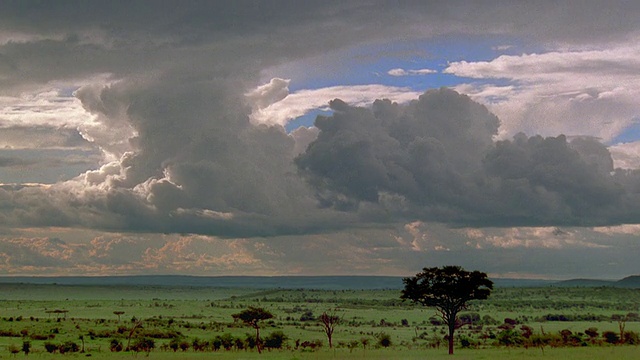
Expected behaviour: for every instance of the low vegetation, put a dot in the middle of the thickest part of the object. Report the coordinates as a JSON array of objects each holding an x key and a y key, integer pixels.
[{"x": 168, "y": 323}]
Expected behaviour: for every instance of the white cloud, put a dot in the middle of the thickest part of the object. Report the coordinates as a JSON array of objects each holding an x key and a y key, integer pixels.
[
  {"x": 590, "y": 92},
  {"x": 44, "y": 107},
  {"x": 527, "y": 238},
  {"x": 501, "y": 47},
  {"x": 403, "y": 72},
  {"x": 301, "y": 102},
  {"x": 626, "y": 156},
  {"x": 626, "y": 229}
]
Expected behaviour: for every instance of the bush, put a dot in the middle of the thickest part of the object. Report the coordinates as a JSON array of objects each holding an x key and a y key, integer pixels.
[
  {"x": 384, "y": 340},
  {"x": 68, "y": 347},
  {"x": 465, "y": 342},
  {"x": 13, "y": 349},
  {"x": 611, "y": 337},
  {"x": 184, "y": 345},
  {"x": 312, "y": 345},
  {"x": 143, "y": 344},
  {"x": 225, "y": 341},
  {"x": 631, "y": 338},
  {"x": 488, "y": 320},
  {"x": 115, "y": 345},
  {"x": 250, "y": 341},
  {"x": 469, "y": 318},
  {"x": 174, "y": 344},
  {"x": 592, "y": 332},
  {"x": 510, "y": 338},
  {"x": 38, "y": 337},
  {"x": 275, "y": 340},
  {"x": 26, "y": 347},
  {"x": 199, "y": 345},
  {"x": 50, "y": 347},
  {"x": 307, "y": 316}
]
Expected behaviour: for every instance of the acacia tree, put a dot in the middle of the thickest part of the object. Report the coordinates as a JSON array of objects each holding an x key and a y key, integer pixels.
[
  {"x": 329, "y": 322},
  {"x": 251, "y": 317},
  {"x": 449, "y": 289},
  {"x": 118, "y": 313}
]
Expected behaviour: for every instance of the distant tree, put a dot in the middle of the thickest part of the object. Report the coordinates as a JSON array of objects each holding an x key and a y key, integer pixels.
[
  {"x": 449, "y": 289},
  {"x": 118, "y": 313},
  {"x": 622, "y": 322},
  {"x": 252, "y": 317},
  {"x": 137, "y": 324},
  {"x": 329, "y": 321}
]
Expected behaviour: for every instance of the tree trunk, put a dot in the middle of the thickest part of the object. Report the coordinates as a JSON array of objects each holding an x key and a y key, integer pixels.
[
  {"x": 258, "y": 340},
  {"x": 330, "y": 344},
  {"x": 452, "y": 328}
]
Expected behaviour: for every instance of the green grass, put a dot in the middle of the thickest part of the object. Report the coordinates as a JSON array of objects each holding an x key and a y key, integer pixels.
[
  {"x": 206, "y": 312},
  {"x": 613, "y": 352}
]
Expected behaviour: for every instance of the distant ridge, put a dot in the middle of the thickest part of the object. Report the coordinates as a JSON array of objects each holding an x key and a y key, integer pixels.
[
  {"x": 257, "y": 282},
  {"x": 290, "y": 282},
  {"x": 628, "y": 282},
  {"x": 585, "y": 283}
]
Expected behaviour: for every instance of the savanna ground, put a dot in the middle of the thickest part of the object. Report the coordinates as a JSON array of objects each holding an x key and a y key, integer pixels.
[{"x": 542, "y": 322}]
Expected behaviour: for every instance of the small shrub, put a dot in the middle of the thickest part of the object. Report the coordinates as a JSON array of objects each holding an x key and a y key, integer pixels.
[
  {"x": 384, "y": 340},
  {"x": 26, "y": 347},
  {"x": 611, "y": 337},
  {"x": 115, "y": 345},
  {"x": 50, "y": 347},
  {"x": 13, "y": 349},
  {"x": 275, "y": 340},
  {"x": 631, "y": 338},
  {"x": 68, "y": 347}
]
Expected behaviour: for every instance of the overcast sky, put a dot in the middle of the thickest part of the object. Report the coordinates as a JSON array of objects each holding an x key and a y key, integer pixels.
[{"x": 320, "y": 138}]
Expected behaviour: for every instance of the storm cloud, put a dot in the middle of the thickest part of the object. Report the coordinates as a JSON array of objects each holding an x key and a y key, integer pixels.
[
  {"x": 435, "y": 159},
  {"x": 138, "y": 121}
]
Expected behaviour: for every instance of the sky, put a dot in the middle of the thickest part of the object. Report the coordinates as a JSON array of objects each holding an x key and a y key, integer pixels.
[{"x": 320, "y": 137}]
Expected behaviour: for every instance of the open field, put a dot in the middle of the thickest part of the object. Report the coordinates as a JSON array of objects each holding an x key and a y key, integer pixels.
[{"x": 183, "y": 314}]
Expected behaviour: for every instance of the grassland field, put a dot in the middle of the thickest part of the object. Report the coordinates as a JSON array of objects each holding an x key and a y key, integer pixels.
[{"x": 203, "y": 313}]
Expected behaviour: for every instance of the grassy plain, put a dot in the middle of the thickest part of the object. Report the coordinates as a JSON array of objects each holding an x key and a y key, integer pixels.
[{"x": 203, "y": 313}]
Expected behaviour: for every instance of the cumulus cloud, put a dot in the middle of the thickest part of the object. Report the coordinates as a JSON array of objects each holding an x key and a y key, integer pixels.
[{"x": 436, "y": 159}]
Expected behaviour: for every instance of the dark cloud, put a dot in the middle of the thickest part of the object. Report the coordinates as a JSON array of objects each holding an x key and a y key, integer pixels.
[
  {"x": 434, "y": 159},
  {"x": 425, "y": 152},
  {"x": 187, "y": 159}
]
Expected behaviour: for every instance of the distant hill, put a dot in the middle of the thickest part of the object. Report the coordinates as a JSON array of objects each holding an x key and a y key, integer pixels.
[
  {"x": 584, "y": 283},
  {"x": 257, "y": 282},
  {"x": 628, "y": 282},
  {"x": 291, "y": 282}
]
